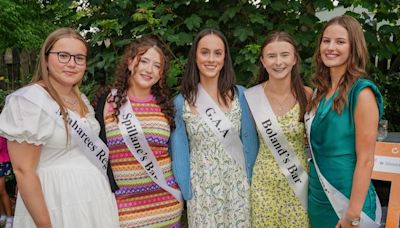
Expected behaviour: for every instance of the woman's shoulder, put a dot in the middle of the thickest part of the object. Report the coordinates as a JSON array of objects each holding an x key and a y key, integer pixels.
[{"x": 309, "y": 92}]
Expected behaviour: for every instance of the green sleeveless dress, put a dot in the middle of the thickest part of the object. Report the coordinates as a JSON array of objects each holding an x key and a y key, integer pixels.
[{"x": 333, "y": 143}]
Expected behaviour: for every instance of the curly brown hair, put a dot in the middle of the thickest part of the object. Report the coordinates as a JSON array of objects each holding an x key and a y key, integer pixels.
[
  {"x": 356, "y": 64},
  {"x": 159, "y": 90}
]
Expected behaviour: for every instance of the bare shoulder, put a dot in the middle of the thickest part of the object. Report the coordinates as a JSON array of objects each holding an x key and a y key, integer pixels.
[
  {"x": 308, "y": 91},
  {"x": 366, "y": 97}
]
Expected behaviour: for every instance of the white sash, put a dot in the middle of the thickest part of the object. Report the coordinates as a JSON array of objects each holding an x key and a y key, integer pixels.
[
  {"x": 82, "y": 135},
  {"x": 339, "y": 202},
  {"x": 137, "y": 144},
  {"x": 274, "y": 137},
  {"x": 221, "y": 126}
]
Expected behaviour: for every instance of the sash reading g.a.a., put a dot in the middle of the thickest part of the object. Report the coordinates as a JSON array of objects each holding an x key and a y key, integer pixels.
[
  {"x": 274, "y": 137},
  {"x": 82, "y": 135},
  {"x": 339, "y": 202},
  {"x": 221, "y": 126},
  {"x": 137, "y": 144}
]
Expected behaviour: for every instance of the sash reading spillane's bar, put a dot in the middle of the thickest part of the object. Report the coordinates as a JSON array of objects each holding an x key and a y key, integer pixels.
[
  {"x": 274, "y": 137},
  {"x": 222, "y": 127},
  {"x": 137, "y": 144},
  {"x": 339, "y": 202},
  {"x": 81, "y": 134}
]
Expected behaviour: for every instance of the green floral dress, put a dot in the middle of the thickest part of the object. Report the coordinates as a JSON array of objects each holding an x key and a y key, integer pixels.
[
  {"x": 273, "y": 201},
  {"x": 221, "y": 193}
]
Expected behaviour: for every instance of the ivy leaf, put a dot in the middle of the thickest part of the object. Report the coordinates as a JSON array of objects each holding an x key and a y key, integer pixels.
[
  {"x": 243, "y": 33},
  {"x": 193, "y": 21}
]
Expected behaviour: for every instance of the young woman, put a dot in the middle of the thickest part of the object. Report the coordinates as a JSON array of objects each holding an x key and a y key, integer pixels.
[
  {"x": 342, "y": 128},
  {"x": 278, "y": 103},
  {"x": 136, "y": 113},
  {"x": 58, "y": 159},
  {"x": 215, "y": 143}
]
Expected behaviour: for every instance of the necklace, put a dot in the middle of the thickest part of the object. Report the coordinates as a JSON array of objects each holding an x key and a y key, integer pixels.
[
  {"x": 71, "y": 104},
  {"x": 281, "y": 105}
]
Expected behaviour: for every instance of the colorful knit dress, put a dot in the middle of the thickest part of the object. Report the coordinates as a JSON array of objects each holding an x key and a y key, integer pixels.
[{"x": 141, "y": 202}]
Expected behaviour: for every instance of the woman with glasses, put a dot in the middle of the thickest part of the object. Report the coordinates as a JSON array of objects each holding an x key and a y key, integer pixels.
[{"x": 59, "y": 161}]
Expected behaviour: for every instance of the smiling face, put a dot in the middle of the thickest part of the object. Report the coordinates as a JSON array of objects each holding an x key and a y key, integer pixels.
[
  {"x": 278, "y": 58},
  {"x": 66, "y": 74},
  {"x": 210, "y": 56},
  {"x": 146, "y": 70},
  {"x": 335, "y": 47}
]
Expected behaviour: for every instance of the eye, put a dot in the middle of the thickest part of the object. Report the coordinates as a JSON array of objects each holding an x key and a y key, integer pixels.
[
  {"x": 325, "y": 41},
  {"x": 270, "y": 56},
  {"x": 143, "y": 61},
  {"x": 63, "y": 55},
  {"x": 157, "y": 66},
  {"x": 218, "y": 53},
  {"x": 80, "y": 58},
  {"x": 285, "y": 54}
]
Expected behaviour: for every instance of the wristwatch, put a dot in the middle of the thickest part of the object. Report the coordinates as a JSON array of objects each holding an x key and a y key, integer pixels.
[{"x": 352, "y": 221}]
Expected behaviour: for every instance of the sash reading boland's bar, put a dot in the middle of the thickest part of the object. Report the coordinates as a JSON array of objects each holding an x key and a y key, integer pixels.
[
  {"x": 135, "y": 140},
  {"x": 81, "y": 134},
  {"x": 274, "y": 137},
  {"x": 221, "y": 126},
  {"x": 339, "y": 202}
]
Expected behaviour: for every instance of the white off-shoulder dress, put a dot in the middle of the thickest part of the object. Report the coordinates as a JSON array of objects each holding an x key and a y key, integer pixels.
[{"x": 77, "y": 194}]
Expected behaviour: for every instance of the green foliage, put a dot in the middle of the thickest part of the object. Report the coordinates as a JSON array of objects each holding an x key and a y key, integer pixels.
[{"x": 112, "y": 24}]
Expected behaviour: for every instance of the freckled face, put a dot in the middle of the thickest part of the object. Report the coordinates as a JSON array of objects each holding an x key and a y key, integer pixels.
[{"x": 210, "y": 56}]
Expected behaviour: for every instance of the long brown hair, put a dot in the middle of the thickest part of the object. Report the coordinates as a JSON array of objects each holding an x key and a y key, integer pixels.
[
  {"x": 191, "y": 77},
  {"x": 159, "y": 90},
  {"x": 296, "y": 82},
  {"x": 356, "y": 63},
  {"x": 42, "y": 72}
]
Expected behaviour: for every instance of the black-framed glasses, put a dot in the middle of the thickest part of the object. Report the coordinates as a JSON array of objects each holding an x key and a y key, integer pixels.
[{"x": 65, "y": 57}]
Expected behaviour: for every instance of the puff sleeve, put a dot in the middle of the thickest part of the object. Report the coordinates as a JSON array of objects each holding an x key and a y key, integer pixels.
[{"x": 23, "y": 121}]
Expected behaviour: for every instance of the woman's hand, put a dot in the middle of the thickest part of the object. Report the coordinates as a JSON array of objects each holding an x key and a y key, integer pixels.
[{"x": 343, "y": 223}]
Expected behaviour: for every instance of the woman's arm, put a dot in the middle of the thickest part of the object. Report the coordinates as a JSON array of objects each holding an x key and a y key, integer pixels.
[
  {"x": 366, "y": 119},
  {"x": 24, "y": 158}
]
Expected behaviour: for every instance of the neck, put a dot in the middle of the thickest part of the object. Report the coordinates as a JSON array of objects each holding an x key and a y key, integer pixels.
[
  {"x": 138, "y": 92},
  {"x": 62, "y": 90},
  {"x": 336, "y": 74},
  {"x": 211, "y": 86},
  {"x": 279, "y": 87}
]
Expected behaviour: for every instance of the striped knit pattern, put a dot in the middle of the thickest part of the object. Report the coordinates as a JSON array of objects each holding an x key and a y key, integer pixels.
[{"x": 141, "y": 202}]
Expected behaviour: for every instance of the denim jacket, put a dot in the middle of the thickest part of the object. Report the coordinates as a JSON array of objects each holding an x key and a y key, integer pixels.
[{"x": 180, "y": 149}]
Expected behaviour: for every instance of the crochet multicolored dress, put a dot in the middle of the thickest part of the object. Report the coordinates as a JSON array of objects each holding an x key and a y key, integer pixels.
[{"x": 141, "y": 202}]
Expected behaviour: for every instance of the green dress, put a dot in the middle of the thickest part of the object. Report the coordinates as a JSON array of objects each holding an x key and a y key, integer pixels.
[
  {"x": 273, "y": 202},
  {"x": 333, "y": 143}
]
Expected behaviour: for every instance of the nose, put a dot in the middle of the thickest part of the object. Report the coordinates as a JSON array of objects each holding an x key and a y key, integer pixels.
[
  {"x": 149, "y": 68},
  {"x": 71, "y": 61},
  {"x": 331, "y": 45},
  {"x": 278, "y": 60},
  {"x": 211, "y": 57}
]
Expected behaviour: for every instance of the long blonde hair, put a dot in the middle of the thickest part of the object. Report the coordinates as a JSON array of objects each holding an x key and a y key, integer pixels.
[
  {"x": 42, "y": 73},
  {"x": 356, "y": 63}
]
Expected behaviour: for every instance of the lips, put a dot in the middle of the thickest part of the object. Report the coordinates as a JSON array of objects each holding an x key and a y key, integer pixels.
[{"x": 210, "y": 67}]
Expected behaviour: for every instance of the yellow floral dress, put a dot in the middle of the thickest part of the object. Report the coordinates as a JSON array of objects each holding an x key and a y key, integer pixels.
[{"x": 273, "y": 202}]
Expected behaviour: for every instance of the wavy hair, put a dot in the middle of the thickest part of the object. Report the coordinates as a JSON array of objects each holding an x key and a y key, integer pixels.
[
  {"x": 159, "y": 90},
  {"x": 356, "y": 64},
  {"x": 42, "y": 72},
  {"x": 191, "y": 77},
  {"x": 296, "y": 82}
]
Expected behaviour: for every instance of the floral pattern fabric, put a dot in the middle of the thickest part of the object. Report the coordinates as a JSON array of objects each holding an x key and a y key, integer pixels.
[
  {"x": 274, "y": 203},
  {"x": 221, "y": 193}
]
